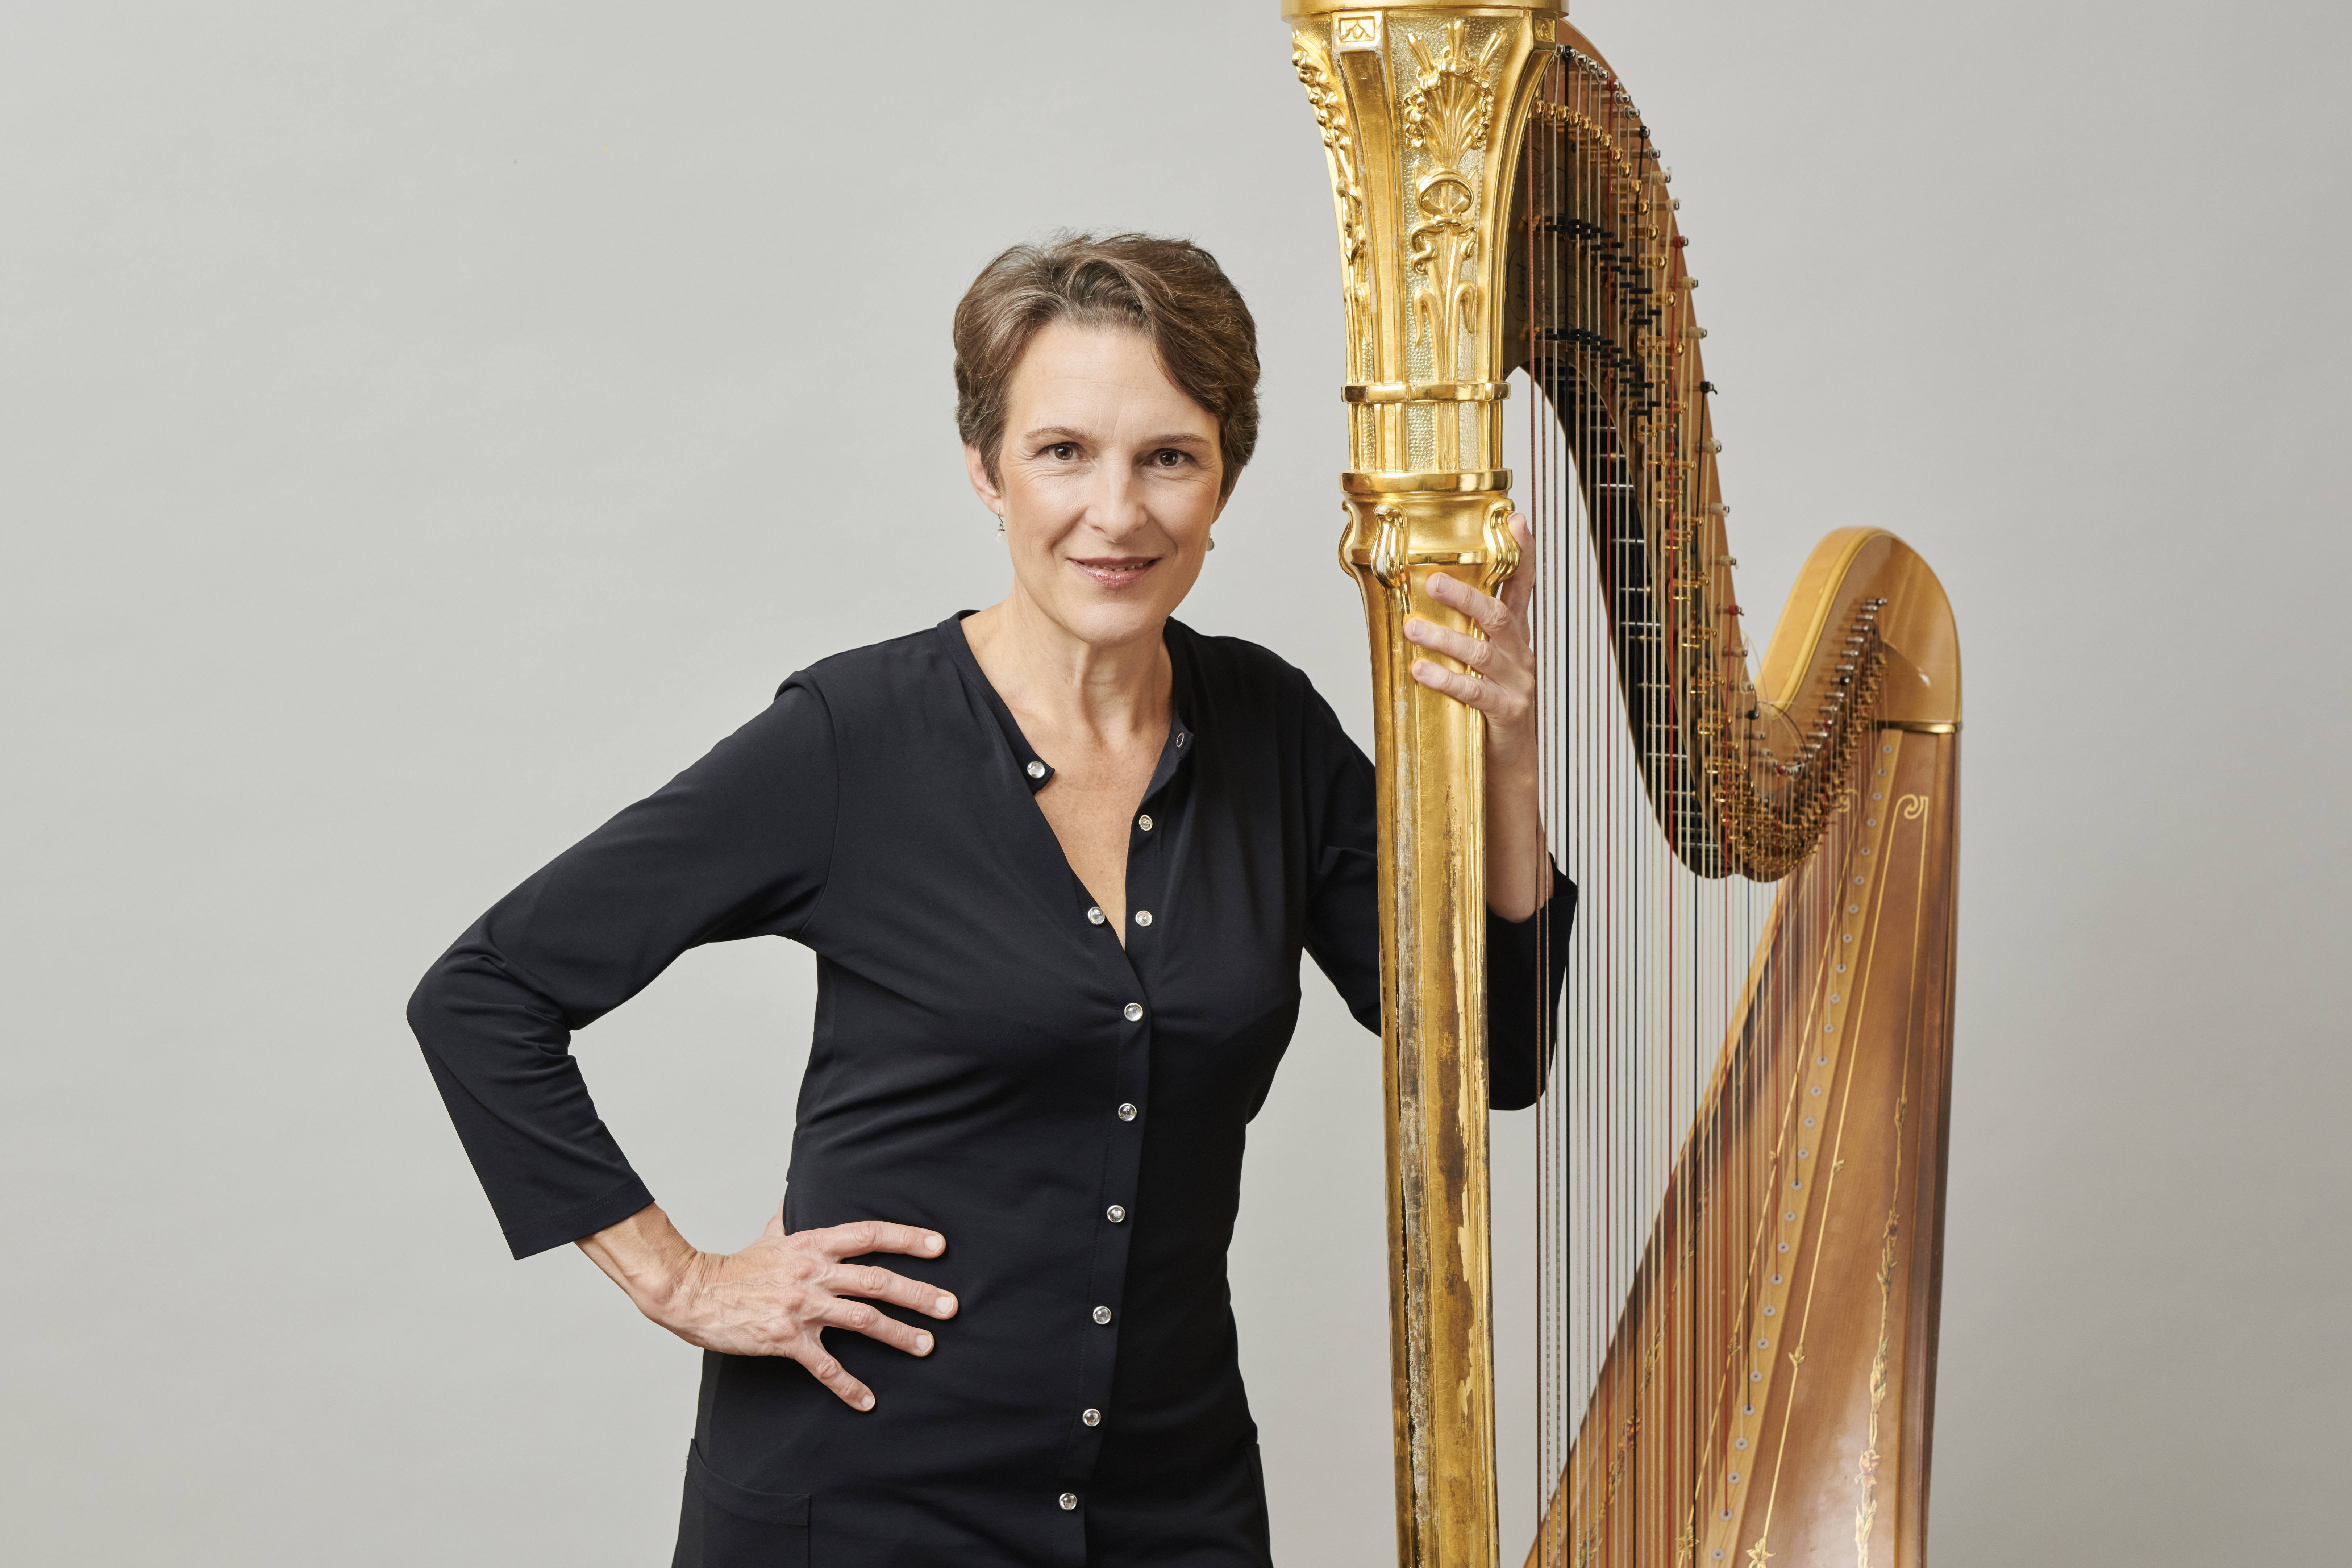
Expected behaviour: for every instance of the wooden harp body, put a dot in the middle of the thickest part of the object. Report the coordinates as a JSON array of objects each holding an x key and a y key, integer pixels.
[{"x": 1737, "y": 1325}]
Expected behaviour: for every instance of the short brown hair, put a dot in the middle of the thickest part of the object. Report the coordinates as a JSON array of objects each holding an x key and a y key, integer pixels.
[{"x": 1170, "y": 291}]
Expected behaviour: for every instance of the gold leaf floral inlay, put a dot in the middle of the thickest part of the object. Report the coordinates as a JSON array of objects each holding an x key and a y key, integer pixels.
[{"x": 1453, "y": 104}]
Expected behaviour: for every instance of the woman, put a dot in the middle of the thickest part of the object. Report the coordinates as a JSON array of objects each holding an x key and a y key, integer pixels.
[{"x": 1058, "y": 860}]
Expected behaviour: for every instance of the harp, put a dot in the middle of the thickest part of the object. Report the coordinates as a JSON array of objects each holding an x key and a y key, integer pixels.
[{"x": 1735, "y": 1247}]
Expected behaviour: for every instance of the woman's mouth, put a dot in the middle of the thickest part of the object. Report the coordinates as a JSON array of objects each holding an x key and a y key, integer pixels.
[{"x": 1116, "y": 571}]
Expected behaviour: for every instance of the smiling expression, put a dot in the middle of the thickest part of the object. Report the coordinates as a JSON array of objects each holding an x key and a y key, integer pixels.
[{"x": 1107, "y": 481}]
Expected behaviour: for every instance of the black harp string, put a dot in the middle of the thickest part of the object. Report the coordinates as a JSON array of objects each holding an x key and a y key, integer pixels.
[
  {"x": 1620, "y": 501},
  {"x": 1543, "y": 439},
  {"x": 1537, "y": 510},
  {"x": 1550, "y": 439},
  {"x": 1541, "y": 442},
  {"x": 1543, "y": 447},
  {"x": 1604, "y": 1107},
  {"x": 1650, "y": 713}
]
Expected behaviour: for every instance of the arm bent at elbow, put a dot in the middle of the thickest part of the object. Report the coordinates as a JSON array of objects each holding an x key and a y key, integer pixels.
[{"x": 777, "y": 1296}]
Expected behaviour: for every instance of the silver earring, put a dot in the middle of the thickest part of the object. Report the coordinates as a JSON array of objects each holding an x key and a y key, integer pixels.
[
  {"x": 1000, "y": 527},
  {"x": 1213, "y": 541}
]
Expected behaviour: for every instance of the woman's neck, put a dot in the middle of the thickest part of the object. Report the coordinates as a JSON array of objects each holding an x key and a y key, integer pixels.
[{"x": 1064, "y": 686}]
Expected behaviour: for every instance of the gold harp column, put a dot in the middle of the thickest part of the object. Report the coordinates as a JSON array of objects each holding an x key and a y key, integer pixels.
[{"x": 1422, "y": 110}]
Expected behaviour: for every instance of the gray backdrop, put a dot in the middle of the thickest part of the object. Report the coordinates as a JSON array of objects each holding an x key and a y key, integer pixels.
[{"x": 425, "y": 428}]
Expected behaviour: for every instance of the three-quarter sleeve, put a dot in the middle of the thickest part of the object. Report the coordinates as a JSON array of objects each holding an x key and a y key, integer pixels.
[
  {"x": 1527, "y": 961},
  {"x": 737, "y": 846}
]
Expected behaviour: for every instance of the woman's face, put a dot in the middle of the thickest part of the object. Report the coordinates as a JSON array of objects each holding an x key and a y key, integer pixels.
[{"x": 1108, "y": 481}]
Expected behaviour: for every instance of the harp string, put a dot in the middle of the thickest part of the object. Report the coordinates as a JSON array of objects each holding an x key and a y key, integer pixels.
[{"x": 1661, "y": 957}]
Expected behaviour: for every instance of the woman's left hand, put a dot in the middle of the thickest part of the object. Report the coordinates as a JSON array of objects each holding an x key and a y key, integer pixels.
[{"x": 1501, "y": 686}]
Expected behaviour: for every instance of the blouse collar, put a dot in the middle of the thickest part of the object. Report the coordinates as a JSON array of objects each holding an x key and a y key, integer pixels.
[{"x": 1182, "y": 740}]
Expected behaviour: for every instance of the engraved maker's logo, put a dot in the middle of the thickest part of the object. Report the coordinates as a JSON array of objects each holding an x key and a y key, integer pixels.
[{"x": 1360, "y": 31}]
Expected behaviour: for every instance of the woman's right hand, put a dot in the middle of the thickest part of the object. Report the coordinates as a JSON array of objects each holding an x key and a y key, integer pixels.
[{"x": 778, "y": 1295}]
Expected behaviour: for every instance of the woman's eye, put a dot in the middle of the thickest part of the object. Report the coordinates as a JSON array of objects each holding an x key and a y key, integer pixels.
[
  {"x": 1168, "y": 457},
  {"x": 1062, "y": 451}
]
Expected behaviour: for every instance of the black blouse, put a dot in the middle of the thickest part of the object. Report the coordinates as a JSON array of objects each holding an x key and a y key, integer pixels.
[{"x": 988, "y": 1061}]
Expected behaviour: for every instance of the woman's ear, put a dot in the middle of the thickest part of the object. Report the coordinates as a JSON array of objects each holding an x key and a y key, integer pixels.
[{"x": 981, "y": 485}]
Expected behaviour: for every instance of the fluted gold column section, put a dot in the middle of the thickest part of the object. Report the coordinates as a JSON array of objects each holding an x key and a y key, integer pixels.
[{"x": 1421, "y": 110}]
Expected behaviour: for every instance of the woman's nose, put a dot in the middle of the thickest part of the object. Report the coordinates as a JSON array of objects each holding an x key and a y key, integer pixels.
[{"x": 1118, "y": 505}]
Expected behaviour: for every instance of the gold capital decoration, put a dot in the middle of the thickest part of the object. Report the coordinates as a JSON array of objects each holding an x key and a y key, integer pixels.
[
  {"x": 1422, "y": 111},
  {"x": 1447, "y": 115}
]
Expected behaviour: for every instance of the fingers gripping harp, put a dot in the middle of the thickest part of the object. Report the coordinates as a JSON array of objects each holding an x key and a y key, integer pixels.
[{"x": 1756, "y": 1378}]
